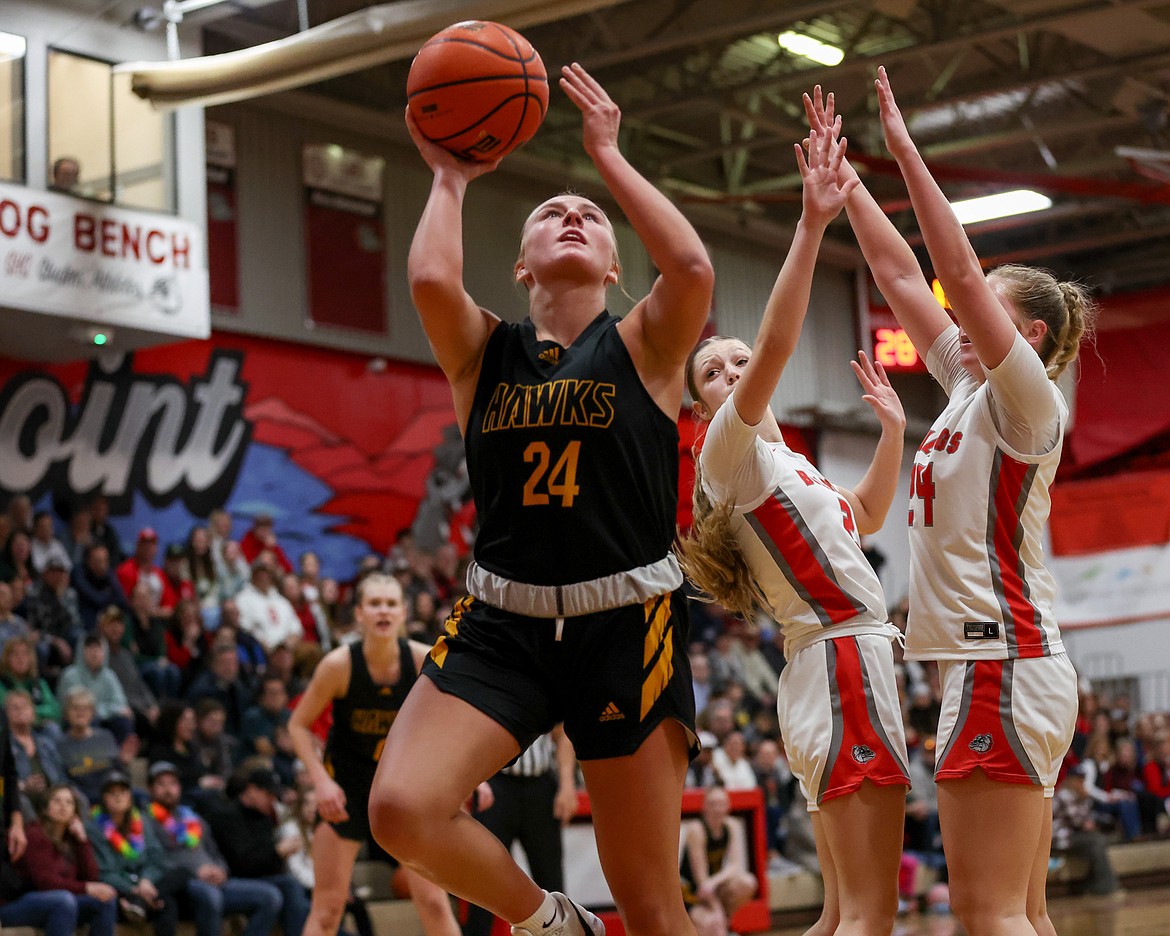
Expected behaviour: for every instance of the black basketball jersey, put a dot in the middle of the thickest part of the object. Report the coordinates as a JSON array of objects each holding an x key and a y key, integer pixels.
[
  {"x": 716, "y": 854},
  {"x": 363, "y": 716},
  {"x": 573, "y": 465}
]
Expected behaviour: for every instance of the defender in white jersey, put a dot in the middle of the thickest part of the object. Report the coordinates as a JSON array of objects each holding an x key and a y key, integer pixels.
[
  {"x": 790, "y": 539},
  {"x": 980, "y": 597}
]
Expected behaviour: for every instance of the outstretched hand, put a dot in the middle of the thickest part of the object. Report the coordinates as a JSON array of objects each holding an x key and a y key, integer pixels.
[
  {"x": 822, "y": 118},
  {"x": 600, "y": 116},
  {"x": 877, "y": 392},
  {"x": 824, "y": 190},
  {"x": 442, "y": 160},
  {"x": 898, "y": 140}
]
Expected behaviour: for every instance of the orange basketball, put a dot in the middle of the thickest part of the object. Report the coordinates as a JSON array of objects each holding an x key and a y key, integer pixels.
[{"x": 477, "y": 89}]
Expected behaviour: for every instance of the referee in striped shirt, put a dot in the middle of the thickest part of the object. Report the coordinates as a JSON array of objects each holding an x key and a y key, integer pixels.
[{"x": 534, "y": 797}]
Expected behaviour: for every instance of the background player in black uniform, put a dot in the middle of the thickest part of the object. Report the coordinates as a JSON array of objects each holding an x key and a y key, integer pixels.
[
  {"x": 714, "y": 870},
  {"x": 569, "y": 421},
  {"x": 366, "y": 683}
]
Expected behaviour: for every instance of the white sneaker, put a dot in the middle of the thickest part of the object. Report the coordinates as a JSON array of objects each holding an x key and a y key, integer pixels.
[{"x": 575, "y": 921}]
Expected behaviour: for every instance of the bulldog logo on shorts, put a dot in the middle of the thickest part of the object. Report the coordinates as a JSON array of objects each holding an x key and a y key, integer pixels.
[
  {"x": 862, "y": 754},
  {"x": 980, "y": 744}
]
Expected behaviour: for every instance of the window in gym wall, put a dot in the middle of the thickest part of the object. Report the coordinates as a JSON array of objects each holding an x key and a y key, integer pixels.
[
  {"x": 118, "y": 146},
  {"x": 11, "y": 107}
]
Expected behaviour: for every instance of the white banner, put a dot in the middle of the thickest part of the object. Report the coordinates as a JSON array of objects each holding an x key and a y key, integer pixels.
[
  {"x": 78, "y": 259},
  {"x": 1119, "y": 585}
]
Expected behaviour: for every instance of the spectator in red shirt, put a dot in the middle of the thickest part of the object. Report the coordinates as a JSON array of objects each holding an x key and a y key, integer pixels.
[
  {"x": 141, "y": 566},
  {"x": 175, "y": 571},
  {"x": 262, "y": 538},
  {"x": 1156, "y": 772}
]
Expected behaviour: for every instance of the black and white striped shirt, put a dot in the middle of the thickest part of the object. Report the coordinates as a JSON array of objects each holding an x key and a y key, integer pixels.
[{"x": 539, "y": 759}]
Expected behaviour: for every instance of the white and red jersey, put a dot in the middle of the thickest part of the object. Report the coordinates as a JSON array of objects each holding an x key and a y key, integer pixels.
[
  {"x": 796, "y": 532},
  {"x": 978, "y": 507}
]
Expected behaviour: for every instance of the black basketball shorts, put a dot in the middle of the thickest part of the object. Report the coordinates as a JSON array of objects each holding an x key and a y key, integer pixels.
[
  {"x": 356, "y": 785},
  {"x": 611, "y": 677}
]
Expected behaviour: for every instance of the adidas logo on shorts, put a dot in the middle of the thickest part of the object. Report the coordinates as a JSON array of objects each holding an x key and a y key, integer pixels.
[
  {"x": 611, "y": 713},
  {"x": 862, "y": 753},
  {"x": 981, "y": 743}
]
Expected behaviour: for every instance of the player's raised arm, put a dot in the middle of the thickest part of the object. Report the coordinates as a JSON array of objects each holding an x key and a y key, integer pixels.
[
  {"x": 979, "y": 313},
  {"x": 672, "y": 316},
  {"x": 893, "y": 264},
  {"x": 788, "y": 303},
  {"x": 455, "y": 326}
]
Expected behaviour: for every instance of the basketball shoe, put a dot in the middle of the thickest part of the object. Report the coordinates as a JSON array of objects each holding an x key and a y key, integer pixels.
[{"x": 569, "y": 920}]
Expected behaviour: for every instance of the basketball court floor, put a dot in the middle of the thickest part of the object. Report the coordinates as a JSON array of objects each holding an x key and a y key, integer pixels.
[{"x": 1144, "y": 912}]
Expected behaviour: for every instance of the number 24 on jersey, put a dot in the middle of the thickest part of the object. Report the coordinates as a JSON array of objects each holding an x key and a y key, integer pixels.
[{"x": 546, "y": 483}]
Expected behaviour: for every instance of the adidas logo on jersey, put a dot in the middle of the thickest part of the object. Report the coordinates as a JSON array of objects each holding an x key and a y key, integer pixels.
[
  {"x": 981, "y": 743},
  {"x": 611, "y": 713},
  {"x": 550, "y": 355},
  {"x": 862, "y": 753}
]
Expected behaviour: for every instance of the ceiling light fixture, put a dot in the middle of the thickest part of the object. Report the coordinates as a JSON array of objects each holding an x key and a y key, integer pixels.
[
  {"x": 813, "y": 49},
  {"x": 1000, "y": 205}
]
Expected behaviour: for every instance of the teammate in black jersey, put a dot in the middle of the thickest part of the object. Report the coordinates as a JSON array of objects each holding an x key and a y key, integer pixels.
[
  {"x": 714, "y": 870},
  {"x": 366, "y": 683},
  {"x": 569, "y": 424}
]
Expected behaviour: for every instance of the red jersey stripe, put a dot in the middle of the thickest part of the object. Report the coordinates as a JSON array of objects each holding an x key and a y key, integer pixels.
[
  {"x": 1025, "y": 636},
  {"x": 806, "y": 567}
]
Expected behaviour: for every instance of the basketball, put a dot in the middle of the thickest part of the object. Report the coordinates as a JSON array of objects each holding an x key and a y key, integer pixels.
[{"x": 478, "y": 89}]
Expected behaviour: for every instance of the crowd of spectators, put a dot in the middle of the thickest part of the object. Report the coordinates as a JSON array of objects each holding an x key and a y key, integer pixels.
[
  {"x": 147, "y": 688},
  {"x": 1119, "y": 788},
  {"x": 108, "y": 658}
]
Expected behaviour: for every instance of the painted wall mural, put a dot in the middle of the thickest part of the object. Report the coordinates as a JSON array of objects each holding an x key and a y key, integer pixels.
[
  {"x": 340, "y": 450},
  {"x": 337, "y": 451}
]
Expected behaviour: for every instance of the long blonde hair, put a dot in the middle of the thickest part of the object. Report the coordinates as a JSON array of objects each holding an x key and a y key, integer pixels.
[
  {"x": 1065, "y": 307},
  {"x": 710, "y": 555}
]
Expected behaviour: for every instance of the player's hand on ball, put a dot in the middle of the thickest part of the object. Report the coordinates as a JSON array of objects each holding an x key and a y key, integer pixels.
[
  {"x": 601, "y": 117},
  {"x": 331, "y": 801},
  {"x": 440, "y": 160}
]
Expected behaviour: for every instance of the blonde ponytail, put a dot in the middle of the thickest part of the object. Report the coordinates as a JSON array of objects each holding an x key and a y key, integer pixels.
[{"x": 711, "y": 558}]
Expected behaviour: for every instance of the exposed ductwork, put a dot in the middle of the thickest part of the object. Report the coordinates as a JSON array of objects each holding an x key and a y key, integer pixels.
[{"x": 368, "y": 37}]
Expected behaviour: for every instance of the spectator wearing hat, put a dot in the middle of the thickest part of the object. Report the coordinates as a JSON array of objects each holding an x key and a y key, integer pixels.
[
  {"x": 177, "y": 572},
  {"x": 131, "y": 858},
  {"x": 92, "y": 672},
  {"x": 120, "y": 658},
  {"x": 188, "y": 844},
  {"x": 45, "y": 545},
  {"x": 246, "y": 829},
  {"x": 265, "y": 613},
  {"x": 52, "y": 610},
  {"x": 96, "y": 585},
  {"x": 700, "y": 773},
  {"x": 141, "y": 567},
  {"x": 88, "y": 752},
  {"x": 262, "y": 539}
]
